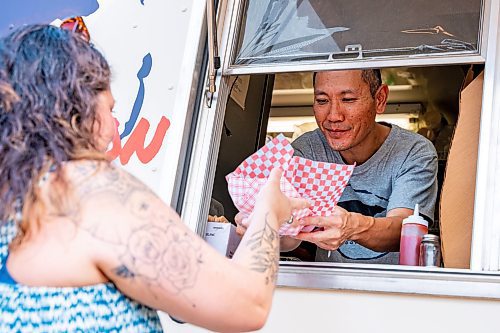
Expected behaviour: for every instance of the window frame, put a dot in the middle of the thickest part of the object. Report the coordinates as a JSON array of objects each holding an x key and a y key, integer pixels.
[
  {"x": 235, "y": 17},
  {"x": 388, "y": 279},
  {"x": 485, "y": 248}
]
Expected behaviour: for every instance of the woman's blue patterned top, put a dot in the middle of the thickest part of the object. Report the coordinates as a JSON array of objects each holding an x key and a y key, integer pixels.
[{"x": 95, "y": 308}]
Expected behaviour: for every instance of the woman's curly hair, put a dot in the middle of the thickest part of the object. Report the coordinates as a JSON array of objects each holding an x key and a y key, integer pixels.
[{"x": 49, "y": 82}]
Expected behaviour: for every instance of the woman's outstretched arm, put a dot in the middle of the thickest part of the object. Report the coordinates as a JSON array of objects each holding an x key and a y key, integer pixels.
[{"x": 144, "y": 248}]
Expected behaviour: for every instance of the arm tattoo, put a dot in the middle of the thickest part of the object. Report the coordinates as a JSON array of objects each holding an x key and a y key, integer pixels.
[
  {"x": 161, "y": 254},
  {"x": 264, "y": 247},
  {"x": 123, "y": 272}
]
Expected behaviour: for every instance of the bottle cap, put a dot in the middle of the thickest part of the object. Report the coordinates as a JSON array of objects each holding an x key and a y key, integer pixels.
[
  {"x": 416, "y": 218},
  {"x": 430, "y": 238}
]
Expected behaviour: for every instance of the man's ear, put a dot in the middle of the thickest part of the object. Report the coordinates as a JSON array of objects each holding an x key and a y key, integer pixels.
[{"x": 381, "y": 98}]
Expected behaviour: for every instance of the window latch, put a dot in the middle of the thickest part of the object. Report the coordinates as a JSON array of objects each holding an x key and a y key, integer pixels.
[{"x": 353, "y": 51}]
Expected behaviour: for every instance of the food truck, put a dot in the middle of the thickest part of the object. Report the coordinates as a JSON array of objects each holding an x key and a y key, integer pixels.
[{"x": 200, "y": 85}]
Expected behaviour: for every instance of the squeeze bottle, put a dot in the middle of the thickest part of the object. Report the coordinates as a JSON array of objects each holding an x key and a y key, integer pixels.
[{"x": 413, "y": 229}]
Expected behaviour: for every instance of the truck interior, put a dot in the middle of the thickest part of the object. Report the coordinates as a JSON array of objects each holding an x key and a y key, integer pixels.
[{"x": 260, "y": 106}]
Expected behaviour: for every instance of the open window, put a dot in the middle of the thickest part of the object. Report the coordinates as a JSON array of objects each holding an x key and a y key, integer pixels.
[
  {"x": 281, "y": 32},
  {"x": 424, "y": 100},
  {"x": 265, "y": 35},
  {"x": 265, "y": 88}
]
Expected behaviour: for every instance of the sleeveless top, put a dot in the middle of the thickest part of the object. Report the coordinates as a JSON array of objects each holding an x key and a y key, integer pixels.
[{"x": 95, "y": 308}]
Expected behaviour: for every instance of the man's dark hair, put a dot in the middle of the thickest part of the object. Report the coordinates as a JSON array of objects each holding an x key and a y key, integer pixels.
[{"x": 371, "y": 76}]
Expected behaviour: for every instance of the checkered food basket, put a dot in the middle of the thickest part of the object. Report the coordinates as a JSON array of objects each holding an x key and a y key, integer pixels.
[{"x": 319, "y": 182}]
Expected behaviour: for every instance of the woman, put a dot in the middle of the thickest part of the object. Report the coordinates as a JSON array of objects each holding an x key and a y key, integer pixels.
[{"x": 87, "y": 246}]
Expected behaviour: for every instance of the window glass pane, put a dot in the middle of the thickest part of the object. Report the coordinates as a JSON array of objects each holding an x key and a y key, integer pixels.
[{"x": 281, "y": 31}]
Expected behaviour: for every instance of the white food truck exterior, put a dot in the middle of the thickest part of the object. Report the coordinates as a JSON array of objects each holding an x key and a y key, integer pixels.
[{"x": 155, "y": 47}]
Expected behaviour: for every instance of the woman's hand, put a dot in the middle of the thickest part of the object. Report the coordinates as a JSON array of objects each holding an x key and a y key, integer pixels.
[{"x": 272, "y": 201}]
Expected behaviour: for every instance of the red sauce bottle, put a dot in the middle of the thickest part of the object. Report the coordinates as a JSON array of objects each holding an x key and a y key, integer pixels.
[{"x": 413, "y": 229}]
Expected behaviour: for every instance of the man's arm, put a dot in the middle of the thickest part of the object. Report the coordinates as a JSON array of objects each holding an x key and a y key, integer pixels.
[
  {"x": 379, "y": 234},
  {"x": 384, "y": 233}
]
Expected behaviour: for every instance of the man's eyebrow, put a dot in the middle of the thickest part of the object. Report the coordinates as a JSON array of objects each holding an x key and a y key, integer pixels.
[
  {"x": 343, "y": 92},
  {"x": 319, "y": 92},
  {"x": 348, "y": 91}
]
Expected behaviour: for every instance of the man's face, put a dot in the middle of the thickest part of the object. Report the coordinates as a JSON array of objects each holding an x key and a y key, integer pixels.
[{"x": 344, "y": 108}]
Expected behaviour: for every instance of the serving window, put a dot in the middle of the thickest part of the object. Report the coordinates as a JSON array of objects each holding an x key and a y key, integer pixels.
[
  {"x": 424, "y": 100},
  {"x": 260, "y": 96}
]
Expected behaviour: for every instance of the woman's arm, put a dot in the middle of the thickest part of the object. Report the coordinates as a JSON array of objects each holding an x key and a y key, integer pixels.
[
  {"x": 286, "y": 243},
  {"x": 144, "y": 248}
]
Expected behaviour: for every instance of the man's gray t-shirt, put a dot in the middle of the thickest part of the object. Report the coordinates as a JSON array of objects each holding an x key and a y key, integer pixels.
[{"x": 400, "y": 174}]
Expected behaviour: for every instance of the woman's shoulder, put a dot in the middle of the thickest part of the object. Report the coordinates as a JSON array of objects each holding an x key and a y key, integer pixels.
[
  {"x": 103, "y": 192},
  {"x": 108, "y": 194},
  {"x": 92, "y": 177},
  {"x": 79, "y": 171}
]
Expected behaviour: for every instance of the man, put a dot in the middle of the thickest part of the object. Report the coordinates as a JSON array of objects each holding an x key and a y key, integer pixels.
[{"x": 395, "y": 169}]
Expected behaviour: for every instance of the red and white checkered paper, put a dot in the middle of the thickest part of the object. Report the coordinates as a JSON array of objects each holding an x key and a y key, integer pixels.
[{"x": 319, "y": 182}]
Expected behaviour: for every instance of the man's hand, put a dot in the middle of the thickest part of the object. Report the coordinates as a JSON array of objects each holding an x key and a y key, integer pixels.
[
  {"x": 336, "y": 228},
  {"x": 241, "y": 224}
]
